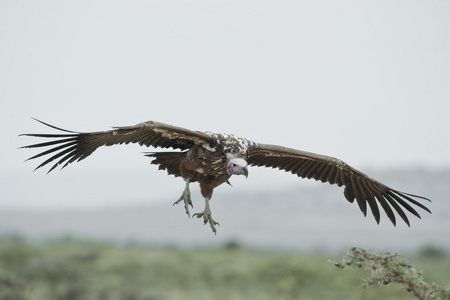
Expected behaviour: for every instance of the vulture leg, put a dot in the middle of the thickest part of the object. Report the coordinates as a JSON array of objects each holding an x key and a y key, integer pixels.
[
  {"x": 186, "y": 197},
  {"x": 207, "y": 217}
]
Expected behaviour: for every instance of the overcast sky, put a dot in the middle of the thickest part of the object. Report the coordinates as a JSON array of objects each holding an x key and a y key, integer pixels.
[{"x": 364, "y": 81}]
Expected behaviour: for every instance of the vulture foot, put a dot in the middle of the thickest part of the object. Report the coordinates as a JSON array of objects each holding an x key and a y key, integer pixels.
[
  {"x": 186, "y": 198},
  {"x": 207, "y": 217}
]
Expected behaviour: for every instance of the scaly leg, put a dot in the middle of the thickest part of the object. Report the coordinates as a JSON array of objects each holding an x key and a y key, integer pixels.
[
  {"x": 207, "y": 217},
  {"x": 186, "y": 197}
]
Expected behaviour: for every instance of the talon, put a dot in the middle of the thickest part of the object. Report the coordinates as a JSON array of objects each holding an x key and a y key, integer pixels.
[
  {"x": 207, "y": 218},
  {"x": 186, "y": 197}
]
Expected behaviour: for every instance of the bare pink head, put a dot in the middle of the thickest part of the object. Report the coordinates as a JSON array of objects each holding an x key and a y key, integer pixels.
[{"x": 237, "y": 166}]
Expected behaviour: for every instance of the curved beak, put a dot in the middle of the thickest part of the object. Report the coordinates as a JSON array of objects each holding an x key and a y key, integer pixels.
[{"x": 244, "y": 171}]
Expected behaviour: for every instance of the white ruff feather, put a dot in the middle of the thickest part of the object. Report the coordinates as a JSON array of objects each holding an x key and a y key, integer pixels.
[{"x": 232, "y": 145}]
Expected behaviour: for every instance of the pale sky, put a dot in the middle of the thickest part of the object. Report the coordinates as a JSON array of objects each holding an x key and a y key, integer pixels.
[{"x": 364, "y": 81}]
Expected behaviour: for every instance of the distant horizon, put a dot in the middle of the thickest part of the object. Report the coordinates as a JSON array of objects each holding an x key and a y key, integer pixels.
[{"x": 302, "y": 218}]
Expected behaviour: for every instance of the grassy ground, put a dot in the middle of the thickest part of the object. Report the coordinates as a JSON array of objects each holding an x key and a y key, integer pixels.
[{"x": 79, "y": 269}]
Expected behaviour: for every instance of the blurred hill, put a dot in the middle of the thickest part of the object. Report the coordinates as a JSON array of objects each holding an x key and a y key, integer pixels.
[{"x": 312, "y": 218}]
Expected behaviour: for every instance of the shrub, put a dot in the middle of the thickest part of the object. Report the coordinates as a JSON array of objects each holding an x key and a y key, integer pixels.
[{"x": 391, "y": 268}]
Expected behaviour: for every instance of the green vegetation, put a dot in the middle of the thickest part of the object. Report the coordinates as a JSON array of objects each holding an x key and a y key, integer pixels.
[{"x": 70, "y": 268}]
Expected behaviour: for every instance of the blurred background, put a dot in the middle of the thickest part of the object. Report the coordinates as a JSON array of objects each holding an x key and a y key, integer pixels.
[{"x": 364, "y": 81}]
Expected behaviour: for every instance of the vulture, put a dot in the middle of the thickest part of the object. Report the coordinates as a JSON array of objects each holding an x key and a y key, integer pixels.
[{"x": 212, "y": 158}]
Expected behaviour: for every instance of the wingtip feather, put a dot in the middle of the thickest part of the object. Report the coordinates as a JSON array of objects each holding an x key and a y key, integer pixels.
[{"x": 54, "y": 127}]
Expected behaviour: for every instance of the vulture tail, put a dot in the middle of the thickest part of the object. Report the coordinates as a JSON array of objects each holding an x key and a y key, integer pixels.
[{"x": 169, "y": 161}]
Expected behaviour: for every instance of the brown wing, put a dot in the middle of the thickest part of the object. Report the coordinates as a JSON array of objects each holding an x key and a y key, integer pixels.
[
  {"x": 329, "y": 169},
  {"x": 72, "y": 146}
]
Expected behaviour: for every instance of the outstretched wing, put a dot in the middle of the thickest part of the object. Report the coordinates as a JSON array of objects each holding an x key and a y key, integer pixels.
[
  {"x": 329, "y": 169},
  {"x": 71, "y": 146}
]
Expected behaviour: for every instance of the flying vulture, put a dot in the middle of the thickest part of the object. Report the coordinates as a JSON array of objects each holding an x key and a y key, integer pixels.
[{"x": 212, "y": 158}]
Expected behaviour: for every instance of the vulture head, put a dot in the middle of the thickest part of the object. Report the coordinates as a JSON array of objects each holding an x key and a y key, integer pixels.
[{"x": 237, "y": 166}]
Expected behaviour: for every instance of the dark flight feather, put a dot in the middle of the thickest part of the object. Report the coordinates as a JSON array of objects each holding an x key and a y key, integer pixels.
[
  {"x": 329, "y": 169},
  {"x": 76, "y": 146}
]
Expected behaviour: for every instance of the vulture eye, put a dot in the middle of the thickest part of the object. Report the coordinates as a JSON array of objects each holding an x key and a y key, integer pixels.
[{"x": 234, "y": 165}]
